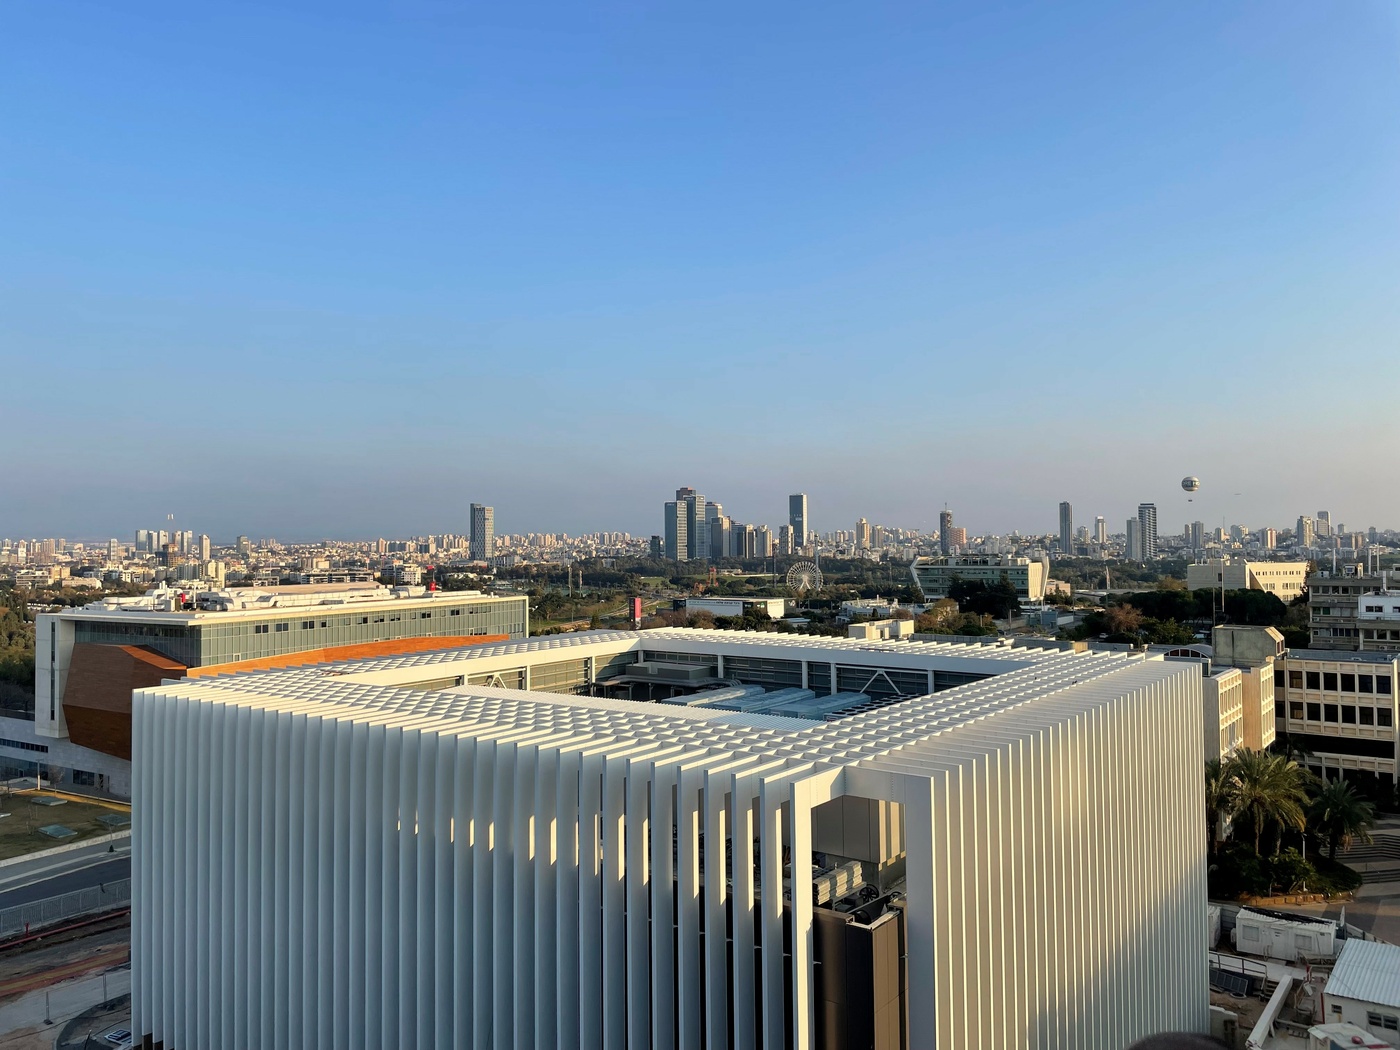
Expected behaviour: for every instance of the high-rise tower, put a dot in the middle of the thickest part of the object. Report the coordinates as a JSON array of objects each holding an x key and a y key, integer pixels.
[
  {"x": 1066, "y": 529},
  {"x": 797, "y": 518},
  {"x": 483, "y": 538}
]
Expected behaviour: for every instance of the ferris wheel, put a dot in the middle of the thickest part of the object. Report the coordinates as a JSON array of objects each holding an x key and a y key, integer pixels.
[{"x": 803, "y": 577}]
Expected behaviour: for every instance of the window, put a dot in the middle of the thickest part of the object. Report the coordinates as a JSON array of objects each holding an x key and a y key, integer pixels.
[
  {"x": 1368, "y": 716},
  {"x": 1314, "y": 712},
  {"x": 281, "y": 627},
  {"x": 1383, "y": 716},
  {"x": 1295, "y": 710},
  {"x": 424, "y": 615},
  {"x": 1348, "y": 683},
  {"x": 260, "y": 628},
  {"x": 1250, "y": 933},
  {"x": 1375, "y": 608},
  {"x": 1383, "y": 684},
  {"x": 82, "y": 778},
  {"x": 1329, "y": 681},
  {"x": 1295, "y": 679},
  {"x": 1329, "y": 712},
  {"x": 456, "y": 612},
  {"x": 1314, "y": 680},
  {"x": 308, "y": 625},
  {"x": 1363, "y": 683},
  {"x": 1278, "y": 680},
  {"x": 1389, "y": 1022},
  {"x": 323, "y": 623},
  {"x": 364, "y": 619},
  {"x": 379, "y": 619},
  {"x": 1348, "y": 715}
]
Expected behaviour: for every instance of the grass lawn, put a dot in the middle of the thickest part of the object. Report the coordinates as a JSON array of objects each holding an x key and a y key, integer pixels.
[{"x": 20, "y": 834}]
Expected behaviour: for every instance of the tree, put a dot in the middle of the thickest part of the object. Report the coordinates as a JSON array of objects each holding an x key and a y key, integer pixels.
[
  {"x": 1122, "y": 619},
  {"x": 1341, "y": 816},
  {"x": 998, "y": 600},
  {"x": 1220, "y": 796},
  {"x": 1270, "y": 789}
]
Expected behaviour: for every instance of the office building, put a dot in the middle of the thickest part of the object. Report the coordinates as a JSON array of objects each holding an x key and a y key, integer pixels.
[
  {"x": 1100, "y": 530},
  {"x": 1255, "y": 652},
  {"x": 1353, "y": 611},
  {"x": 447, "y": 863},
  {"x": 677, "y": 531},
  {"x": 1196, "y": 535},
  {"x": 935, "y": 575},
  {"x": 1323, "y": 523},
  {"x": 1283, "y": 579},
  {"x": 797, "y": 518},
  {"x": 205, "y": 548},
  {"x": 1147, "y": 530},
  {"x": 1339, "y": 707},
  {"x": 1066, "y": 529},
  {"x": 1133, "y": 549},
  {"x": 1268, "y": 539},
  {"x": 483, "y": 535},
  {"x": 89, "y": 659}
]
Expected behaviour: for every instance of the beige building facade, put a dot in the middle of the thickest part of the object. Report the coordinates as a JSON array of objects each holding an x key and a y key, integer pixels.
[{"x": 1283, "y": 579}]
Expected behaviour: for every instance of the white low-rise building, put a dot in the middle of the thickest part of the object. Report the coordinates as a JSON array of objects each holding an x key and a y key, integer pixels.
[
  {"x": 1364, "y": 988},
  {"x": 430, "y": 851}
]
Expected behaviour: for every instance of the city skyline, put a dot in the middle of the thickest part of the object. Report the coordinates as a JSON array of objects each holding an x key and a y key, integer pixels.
[{"x": 1041, "y": 212}]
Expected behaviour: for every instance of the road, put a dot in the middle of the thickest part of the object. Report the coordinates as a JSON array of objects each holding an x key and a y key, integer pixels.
[
  {"x": 93, "y": 873},
  {"x": 32, "y": 880}
]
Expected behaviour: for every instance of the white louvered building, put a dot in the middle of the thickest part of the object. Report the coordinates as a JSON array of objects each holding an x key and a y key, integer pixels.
[{"x": 429, "y": 851}]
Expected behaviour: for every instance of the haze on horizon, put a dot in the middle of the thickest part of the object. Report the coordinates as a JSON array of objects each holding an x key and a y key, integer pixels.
[{"x": 310, "y": 269}]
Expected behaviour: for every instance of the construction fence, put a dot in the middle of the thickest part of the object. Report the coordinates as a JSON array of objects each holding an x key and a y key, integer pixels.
[{"x": 23, "y": 918}]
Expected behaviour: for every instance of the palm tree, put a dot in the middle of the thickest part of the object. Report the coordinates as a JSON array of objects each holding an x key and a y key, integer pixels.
[
  {"x": 1271, "y": 789},
  {"x": 1342, "y": 816},
  {"x": 1220, "y": 797}
]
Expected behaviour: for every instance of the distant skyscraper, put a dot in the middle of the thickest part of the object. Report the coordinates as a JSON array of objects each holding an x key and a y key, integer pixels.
[
  {"x": 1134, "y": 548},
  {"x": 1100, "y": 530},
  {"x": 1198, "y": 535},
  {"x": 205, "y": 547},
  {"x": 862, "y": 535},
  {"x": 697, "y": 524},
  {"x": 1066, "y": 528},
  {"x": 721, "y": 542},
  {"x": 1324, "y": 523},
  {"x": 945, "y": 529},
  {"x": 657, "y": 547},
  {"x": 483, "y": 540},
  {"x": 1269, "y": 538},
  {"x": 677, "y": 532},
  {"x": 1304, "y": 532},
  {"x": 797, "y": 517},
  {"x": 786, "y": 546},
  {"x": 1147, "y": 522}
]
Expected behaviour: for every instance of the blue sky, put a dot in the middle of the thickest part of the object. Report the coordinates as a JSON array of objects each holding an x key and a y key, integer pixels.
[{"x": 304, "y": 269}]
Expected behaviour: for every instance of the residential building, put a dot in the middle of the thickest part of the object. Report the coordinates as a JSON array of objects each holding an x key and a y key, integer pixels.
[
  {"x": 1305, "y": 533},
  {"x": 1340, "y": 708},
  {"x": 1066, "y": 529},
  {"x": 957, "y": 537},
  {"x": 1133, "y": 549},
  {"x": 483, "y": 535},
  {"x": 1283, "y": 579},
  {"x": 1268, "y": 539},
  {"x": 934, "y": 575},
  {"x": 787, "y": 544},
  {"x": 797, "y": 518},
  {"x": 483, "y": 859},
  {"x": 1147, "y": 530},
  {"x": 945, "y": 529},
  {"x": 862, "y": 540},
  {"x": 1100, "y": 530},
  {"x": 89, "y": 659}
]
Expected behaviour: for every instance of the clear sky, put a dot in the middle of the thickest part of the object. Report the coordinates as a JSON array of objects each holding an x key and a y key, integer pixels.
[{"x": 306, "y": 269}]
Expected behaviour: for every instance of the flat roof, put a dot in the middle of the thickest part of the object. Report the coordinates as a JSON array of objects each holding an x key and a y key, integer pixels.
[{"x": 1342, "y": 656}]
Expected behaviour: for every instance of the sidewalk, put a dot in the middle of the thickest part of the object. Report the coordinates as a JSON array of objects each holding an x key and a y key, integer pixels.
[{"x": 58, "y": 1005}]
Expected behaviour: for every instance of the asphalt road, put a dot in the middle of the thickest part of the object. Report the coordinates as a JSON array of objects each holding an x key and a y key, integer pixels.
[{"x": 119, "y": 867}]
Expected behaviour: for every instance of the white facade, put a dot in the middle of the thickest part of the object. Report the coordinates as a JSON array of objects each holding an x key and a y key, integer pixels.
[
  {"x": 1364, "y": 989},
  {"x": 322, "y": 857}
]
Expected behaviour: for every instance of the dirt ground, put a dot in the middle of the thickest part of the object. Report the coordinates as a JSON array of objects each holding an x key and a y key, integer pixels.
[{"x": 19, "y": 832}]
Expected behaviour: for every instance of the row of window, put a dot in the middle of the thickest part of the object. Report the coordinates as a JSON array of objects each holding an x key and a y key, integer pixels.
[
  {"x": 1348, "y": 713},
  {"x": 24, "y": 745},
  {"x": 1335, "y": 681},
  {"x": 1386, "y": 1022},
  {"x": 1380, "y": 636}
]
